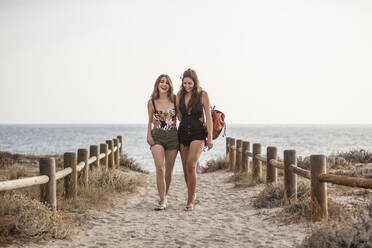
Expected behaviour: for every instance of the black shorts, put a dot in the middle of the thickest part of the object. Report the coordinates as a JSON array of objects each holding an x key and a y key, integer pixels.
[{"x": 190, "y": 130}]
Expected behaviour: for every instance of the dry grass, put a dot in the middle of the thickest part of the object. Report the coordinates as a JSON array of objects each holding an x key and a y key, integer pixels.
[
  {"x": 357, "y": 156},
  {"x": 23, "y": 217},
  {"x": 131, "y": 164},
  {"x": 333, "y": 162},
  {"x": 6, "y": 159},
  {"x": 104, "y": 187},
  {"x": 300, "y": 211},
  {"x": 357, "y": 172},
  {"x": 344, "y": 160},
  {"x": 355, "y": 231},
  {"x": 245, "y": 180},
  {"x": 115, "y": 180},
  {"x": 13, "y": 172},
  {"x": 216, "y": 164},
  {"x": 295, "y": 212},
  {"x": 272, "y": 196}
]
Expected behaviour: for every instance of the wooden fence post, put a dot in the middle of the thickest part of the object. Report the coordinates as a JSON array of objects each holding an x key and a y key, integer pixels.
[
  {"x": 271, "y": 173},
  {"x": 245, "y": 157},
  {"x": 257, "y": 168},
  {"x": 110, "y": 144},
  {"x": 83, "y": 156},
  {"x": 116, "y": 154},
  {"x": 120, "y": 138},
  {"x": 239, "y": 153},
  {"x": 104, "y": 149},
  {"x": 318, "y": 189},
  {"x": 70, "y": 181},
  {"x": 94, "y": 151},
  {"x": 227, "y": 158},
  {"x": 232, "y": 154},
  {"x": 290, "y": 178},
  {"x": 48, "y": 191}
]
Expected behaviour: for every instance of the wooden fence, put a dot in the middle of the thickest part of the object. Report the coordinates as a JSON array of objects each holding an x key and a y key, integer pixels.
[
  {"x": 105, "y": 156},
  {"x": 238, "y": 154}
]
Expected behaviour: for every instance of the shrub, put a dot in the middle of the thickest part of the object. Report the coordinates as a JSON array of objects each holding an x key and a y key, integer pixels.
[
  {"x": 131, "y": 164},
  {"x": 245, "y": 180},
  {"x": 24, "y": 218},
  {"x": 115, "y": 180},
  {"x": 272, "y": 196},
  {"x": 355, "y": 231},
  {"x": 357, "y": 172},
  {"x": 6, "y": 159},
  {"x": 341, "y": 160},
  {"x": 301, "y": 210},
  {"x": 216, "y": 164}
]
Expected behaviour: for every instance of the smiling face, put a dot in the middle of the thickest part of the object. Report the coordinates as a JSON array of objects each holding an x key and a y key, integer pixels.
[
  {"x": 163, "y": 86},
  {"x": 188, "y": 84}
]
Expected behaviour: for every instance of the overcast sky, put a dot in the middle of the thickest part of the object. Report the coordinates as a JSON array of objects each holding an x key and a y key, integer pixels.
[{"x": 260, "y": 61}]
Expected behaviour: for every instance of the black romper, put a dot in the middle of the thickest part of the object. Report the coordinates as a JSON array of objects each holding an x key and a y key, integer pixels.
[{"x": 191, "y": 128}]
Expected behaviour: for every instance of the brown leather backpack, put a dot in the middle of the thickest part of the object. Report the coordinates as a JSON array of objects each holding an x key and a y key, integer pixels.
[{"x": 218, "y": 119}]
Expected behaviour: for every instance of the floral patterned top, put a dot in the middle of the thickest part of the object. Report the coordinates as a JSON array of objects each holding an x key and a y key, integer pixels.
[{"x": 164, "y": 120}]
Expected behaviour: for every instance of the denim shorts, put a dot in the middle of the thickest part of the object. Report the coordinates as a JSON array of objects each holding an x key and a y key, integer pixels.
[{"x": 167, "y": 138}]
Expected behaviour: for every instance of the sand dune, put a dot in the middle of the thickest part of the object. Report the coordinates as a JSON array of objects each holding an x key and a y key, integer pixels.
[{"x": 224, "y": 218}]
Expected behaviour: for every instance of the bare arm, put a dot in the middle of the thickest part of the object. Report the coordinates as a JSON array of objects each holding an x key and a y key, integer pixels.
[
  {"x": 178, "y": 97},
  {"x": 208, "y": 116},
  {"x": 150, "y": 110}
]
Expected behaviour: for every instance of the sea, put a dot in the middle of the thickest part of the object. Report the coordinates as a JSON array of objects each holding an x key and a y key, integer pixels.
[{"x": 48, "y": 139}]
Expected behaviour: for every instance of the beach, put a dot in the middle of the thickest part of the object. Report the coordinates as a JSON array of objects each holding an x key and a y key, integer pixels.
[{"x": 224, "y": 217}]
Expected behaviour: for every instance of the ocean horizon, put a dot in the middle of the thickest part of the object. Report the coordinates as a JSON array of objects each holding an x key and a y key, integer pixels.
[{"x": 306, "y": 139}]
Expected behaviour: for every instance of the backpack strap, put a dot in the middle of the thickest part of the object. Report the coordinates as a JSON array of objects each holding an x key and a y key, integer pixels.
[{"x": 153, "y": 103}]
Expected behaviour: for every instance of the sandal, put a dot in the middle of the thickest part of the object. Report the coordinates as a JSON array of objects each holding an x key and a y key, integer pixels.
[
  {"x": 189, "y": 208},
  {"x": 161, "y": 206},
  {"x": 196, "y": 201}
]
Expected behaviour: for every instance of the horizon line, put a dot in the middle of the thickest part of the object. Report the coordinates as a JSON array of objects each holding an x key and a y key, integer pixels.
[{"x": 145, "y": 123}]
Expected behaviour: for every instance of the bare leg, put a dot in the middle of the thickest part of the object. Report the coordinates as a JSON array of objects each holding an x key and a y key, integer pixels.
[
  {"x": 158, "y": 154},
  {"x": 196, "y": 148},
  {"x": 170, "y": 157},
  {"x": 184, "y": 151}
]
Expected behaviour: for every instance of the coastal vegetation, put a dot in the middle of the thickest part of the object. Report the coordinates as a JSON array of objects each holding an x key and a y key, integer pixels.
[
  {"x": 353, "y": 230},
  {"x": 216, "y": 164},
  {"x": 24, "y": 218},
  {"x": 349, "y": 210}
]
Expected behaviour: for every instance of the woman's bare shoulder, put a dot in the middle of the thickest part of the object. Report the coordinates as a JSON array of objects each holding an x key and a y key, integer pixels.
[
  {"x": 204, "y": 94},
  {"x": 149, "y": 103}
]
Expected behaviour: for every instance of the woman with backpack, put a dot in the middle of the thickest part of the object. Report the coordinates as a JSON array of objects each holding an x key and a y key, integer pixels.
[
  {"x": 192, "y": 101},
  {"x": 162, "y": 134}
]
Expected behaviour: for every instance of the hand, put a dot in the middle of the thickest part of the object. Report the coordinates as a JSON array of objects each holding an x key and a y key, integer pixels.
[
  {"x": 209, "y": 144},
  {"x": 150, "y": 140}
]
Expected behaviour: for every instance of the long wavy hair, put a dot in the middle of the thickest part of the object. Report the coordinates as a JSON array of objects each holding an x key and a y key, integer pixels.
[
  {"x": 196, "y": 90},
  {"x": 155, "y": 92}
]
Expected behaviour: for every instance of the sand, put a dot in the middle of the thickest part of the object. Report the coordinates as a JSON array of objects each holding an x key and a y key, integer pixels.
[{"x": 225, "y": 217}]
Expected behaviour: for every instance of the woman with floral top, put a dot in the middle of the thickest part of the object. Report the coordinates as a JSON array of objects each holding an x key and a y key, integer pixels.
[{"x": 162, "y": 134}]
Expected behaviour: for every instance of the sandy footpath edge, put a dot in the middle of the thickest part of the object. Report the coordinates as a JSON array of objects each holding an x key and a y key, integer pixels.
[{"x": 225, "y": 217}]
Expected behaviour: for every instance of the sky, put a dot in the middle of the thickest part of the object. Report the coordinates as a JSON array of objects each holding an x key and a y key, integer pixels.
[{"x": 270, "y": 62}]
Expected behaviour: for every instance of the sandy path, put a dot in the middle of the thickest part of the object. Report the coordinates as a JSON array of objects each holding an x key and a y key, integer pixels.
[{"x": 224, "y": 218}]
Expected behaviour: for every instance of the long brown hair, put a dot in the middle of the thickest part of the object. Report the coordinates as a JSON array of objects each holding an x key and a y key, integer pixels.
[
  {"x": 196, "y": 90},
  {"x": 155, "y": 92}
]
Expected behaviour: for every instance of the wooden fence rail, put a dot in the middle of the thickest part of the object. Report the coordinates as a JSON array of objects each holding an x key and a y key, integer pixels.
[
  {"x": 317, "y": 174},
  {"x": 73, "y": 164}
]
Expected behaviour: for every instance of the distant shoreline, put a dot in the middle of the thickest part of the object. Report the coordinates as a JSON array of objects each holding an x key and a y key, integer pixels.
[{"x": 229, "y": 124}]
